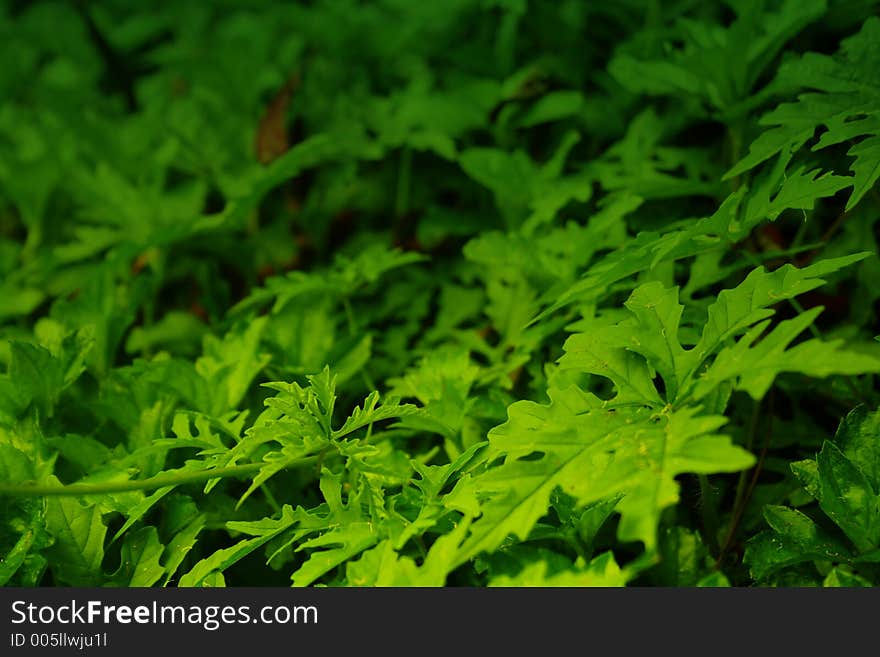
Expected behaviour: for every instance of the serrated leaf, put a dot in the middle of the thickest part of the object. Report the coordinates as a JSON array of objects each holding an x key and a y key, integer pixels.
[
  {"x": 348, "y": 532},
  {"x": 794, "y": 539},
  {"x": 844, "y": 101},
  {"x": 78, "y": 550},
  {"x": 202, "y": 572},
  {"x": 574, "y": 444},
  {"x": 602, "y": 571},
  {"x": 341, "y": 280},
  {"x": 628, "y": 351},
  {"x": 755, "y": 365},
  {"x": 371, "y": 412},
  {"x": 342, "y": 544}
]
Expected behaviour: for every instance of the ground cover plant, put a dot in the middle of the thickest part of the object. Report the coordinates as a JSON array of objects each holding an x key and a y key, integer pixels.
[{"x": 461, "y": 292}]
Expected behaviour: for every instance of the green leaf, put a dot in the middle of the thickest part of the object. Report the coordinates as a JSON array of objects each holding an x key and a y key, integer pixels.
[
  {"x": 602, "y": 571},
  {"x": 857, "y": 437},
  {"x": 598, "y": 351},
  {"x": 22, "y": 536},
  {"x": 38, "y": 373},
  {"x": 264, "y": 531},
  {"x": 342, "y": 544},
  {"x": 649, "y": 250},
  {"x": 738, "y": 308},
  {"x": 349, "y": 533},
  {"x": 181, "y": 332},
  {"x": 807, "y": 474},
  {"x": 78, "y": 550},
  {"x": 371, "y": 411},
  {"x": 442, "y": 382},
  {"x": 517, "y": 312},
  {"x": 382, "y": 566},
  {"x": 794, "y": 539},
  {"x": 718, "y": 64},
  {"x": 840, "y": 577},
  {"x": 347, "y": 276},
  {"x": 525, "y": 192},
  {"x": 848, "y": 498},
  {"x": 230, "y": 365},
  {"x": 641, "y": 164},
  {"x": 684, "y": 559},
  {"x": 843, "y": 100},
  {"x": 756, "y": 365},
  {"x": 629, "y": 351},
  {"x": 552, "y": 107},
  {"x": 141, "y": 553},
  {"x": 714, "y": 580},
  {"x": 15, "y": 466},
  {"x": 180, "y": 545},
  {"x": 141, "y": 508},
  {"x": 590, "y": 453}
]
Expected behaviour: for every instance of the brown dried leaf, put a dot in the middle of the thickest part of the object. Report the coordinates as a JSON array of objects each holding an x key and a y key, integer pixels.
[{"x": 272, "y": 139}]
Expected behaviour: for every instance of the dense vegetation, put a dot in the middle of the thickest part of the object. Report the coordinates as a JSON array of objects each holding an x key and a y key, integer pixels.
[{"x": 460, "y": 292}]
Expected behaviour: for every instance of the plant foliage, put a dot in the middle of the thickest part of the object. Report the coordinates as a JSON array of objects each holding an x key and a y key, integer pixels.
[{"x": 455, "y": 293}]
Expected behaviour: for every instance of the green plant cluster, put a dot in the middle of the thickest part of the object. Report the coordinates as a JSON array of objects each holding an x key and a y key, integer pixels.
[{"x": 460, "y": 292}]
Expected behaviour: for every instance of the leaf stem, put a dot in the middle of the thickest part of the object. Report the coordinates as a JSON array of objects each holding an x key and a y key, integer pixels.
[
  {"x": 738, "y": 503},
  {"x": 151, "y": 483},
  {"x": 752, "y": 482},
  {"x": 709, "y": 513},
  {"x": 270, "y": 498}
]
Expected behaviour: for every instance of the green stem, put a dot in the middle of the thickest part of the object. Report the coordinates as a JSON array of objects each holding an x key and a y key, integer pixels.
[
  {"x": 270, "y": 498},
  {"x": 741, "y": 486},
  {"x": 161, "y": 480},
  {"x": 151, "y": 483},
  {"x": 709, "y": 513}
]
